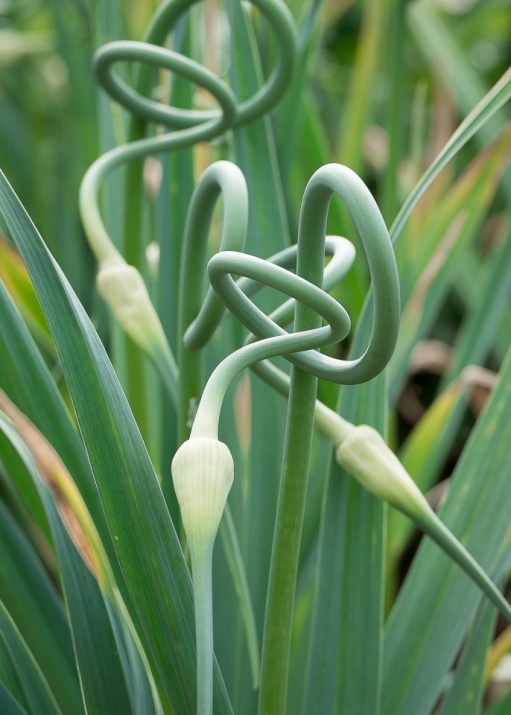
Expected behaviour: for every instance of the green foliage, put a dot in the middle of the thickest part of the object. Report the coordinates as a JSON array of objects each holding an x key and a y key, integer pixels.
[{"x": 318, "y": 597}]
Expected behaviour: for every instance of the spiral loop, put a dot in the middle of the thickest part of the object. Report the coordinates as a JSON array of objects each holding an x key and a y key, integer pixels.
[
  {"x": 146, "y": 52},
  {"x": 223, "y": 264},
  {"x": 191, "y": 126},
  {"x": 148, "y": 109},
  {"x": 327, "y": 181},
  {"x": 199, "y": 316}
]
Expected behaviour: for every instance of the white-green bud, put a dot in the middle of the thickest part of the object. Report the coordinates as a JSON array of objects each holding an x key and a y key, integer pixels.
[
  {"x": 123, "y": 289},
  {"x": 203, "y": 472},
  {"x": 366, "y": 456},
  {"x": 152, "y": 256}
]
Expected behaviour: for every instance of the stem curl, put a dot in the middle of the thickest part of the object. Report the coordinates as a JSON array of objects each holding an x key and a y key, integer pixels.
[{"x": 190, "y": 126}]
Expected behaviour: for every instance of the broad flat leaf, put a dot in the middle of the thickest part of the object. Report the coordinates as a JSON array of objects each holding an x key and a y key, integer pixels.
[
  {"x": 103, "y": 683},
  {"x": 31, "y": 683},
  {"x": 147, "y": 548},
  {"x": 32, "y": 601},
  {"x": 478, "y": 117},
  {"x": 254, "y": 146},
  {"x": 27, "y": 381},
  {"x": 172, "y": 203},
  {"x": 357, "y": 113},
  {"x": 348, "y": 608},
  {"x": 501, "y": 707},
  {"x": 465, "y": 695},
  {"x": 268, "y": 232},
  {"x": 437, "y": 602},
  {"x": 289, "y": 113},
  {"x": 423, "y": 455},
  {"x": 441, "y": 49},
  {"x": 8, "y": 704},
  {"x": 15, "y": 277},
  {"x": 478, "y": 330},
  {"x": 433, "y": 266}
]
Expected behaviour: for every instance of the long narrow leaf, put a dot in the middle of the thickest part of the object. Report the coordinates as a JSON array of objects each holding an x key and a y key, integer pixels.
[
  {"x": 146, "y": 544},
  {"x": 32, "y": 684},
  {"x": 421, "y": 643}
]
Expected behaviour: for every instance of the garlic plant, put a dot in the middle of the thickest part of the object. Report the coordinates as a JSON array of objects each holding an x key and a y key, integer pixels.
[{"x": 278, "y": 437}]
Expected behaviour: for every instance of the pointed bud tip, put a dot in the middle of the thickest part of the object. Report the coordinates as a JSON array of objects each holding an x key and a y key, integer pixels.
[
  {"x": 123, "y": 289},
  {"x": 367, "y": 457},
  {"x": 202, "y": 472}
]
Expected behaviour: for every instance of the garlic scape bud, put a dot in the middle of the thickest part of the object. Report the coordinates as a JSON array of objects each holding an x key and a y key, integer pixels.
[
  {"x": 202, "y": 472},
  {"x": 123, "y": 289},
  {"x": 366, "y": 456}
]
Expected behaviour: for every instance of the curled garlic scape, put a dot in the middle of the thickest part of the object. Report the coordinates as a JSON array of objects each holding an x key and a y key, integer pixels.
[{"x": 202, "y": 472}]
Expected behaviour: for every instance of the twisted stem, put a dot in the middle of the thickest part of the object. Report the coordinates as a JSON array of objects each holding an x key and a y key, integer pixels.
[
  {"x": 300, "y": 349},
  {"x": 190, "y": 126}
]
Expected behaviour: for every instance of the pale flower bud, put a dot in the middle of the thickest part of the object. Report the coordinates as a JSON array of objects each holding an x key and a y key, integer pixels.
[
  {"x": 123, "y": 289},
  {"x": 203, "y": 472},
  {"x": 152, "y": 256},
  {"x": 366, "y": 456}
]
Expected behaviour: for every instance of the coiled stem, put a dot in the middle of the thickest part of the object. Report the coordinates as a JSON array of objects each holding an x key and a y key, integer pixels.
[
  {"x": 300, "y": 348},
  {"x": 297, "y": 348},
  {"x": 190, "y": 126}
]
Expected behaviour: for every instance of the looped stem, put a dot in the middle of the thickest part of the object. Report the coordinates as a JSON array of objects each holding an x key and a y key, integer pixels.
[
  {"x": 191, "y": 126},
  {"x": 97, "y": 235},
  {"x": 220, "y": 179}
]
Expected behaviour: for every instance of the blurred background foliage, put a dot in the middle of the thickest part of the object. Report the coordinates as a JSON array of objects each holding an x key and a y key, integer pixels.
[{"x": 381, "y": 86}]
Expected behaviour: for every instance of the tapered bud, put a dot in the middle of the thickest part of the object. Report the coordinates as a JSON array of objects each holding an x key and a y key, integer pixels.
[
  {"x": 123, "y": 288},
  {"x": 366, "y": 456},
  {"x": 203, "y": 472}
]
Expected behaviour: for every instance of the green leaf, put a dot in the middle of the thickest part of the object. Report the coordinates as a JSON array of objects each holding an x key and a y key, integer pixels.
[
  {"x": 254, "y": 146},
  {"x": 500, "y": 707},
  {"x": 423, "y": 454},
  {"x": 436, "y": 604},
  {"x": 357, "y": 113},
  {"x": 348, "y": 608},
  {"x": 478, "y": 330},
  {"x": 97, "y": 653},
  {"x": 465, "y": 695},
  {"x": 147, "y": 548},
  {"x": 432, "y": 266},
  {"x": 498, "y": 95},
  {"x": 15, "y": 277},
  {"x": 24, "y": 670},
  {"x": 8, "y": 704},
  {"x": 27, "y": 381},
  {"x": 31, "y": 599}
]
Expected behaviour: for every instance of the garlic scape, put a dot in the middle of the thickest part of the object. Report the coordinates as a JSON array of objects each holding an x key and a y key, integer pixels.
[
  {"x": 364, "y": 454},
  {"x": 202, "y": 472},
  {"x": 123, "y": 289}
]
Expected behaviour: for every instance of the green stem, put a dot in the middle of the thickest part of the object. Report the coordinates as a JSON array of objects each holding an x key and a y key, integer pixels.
[
  {"x": 313, "y": 303},
  {"x": 237, "y": 569},
  {"x": 164, "y": 362},
  {"x": 436, "y": 529},
  {"x": 221, "y": 178},
  {"x": 286, "y": 545},
  {"x": 203, "y": 601},
  {"x": 297, "y": 447}
]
